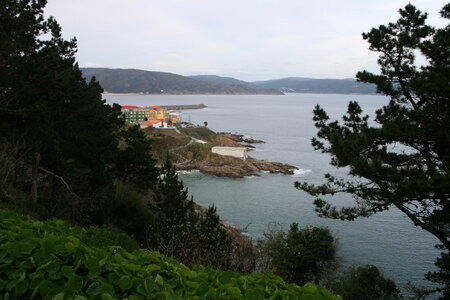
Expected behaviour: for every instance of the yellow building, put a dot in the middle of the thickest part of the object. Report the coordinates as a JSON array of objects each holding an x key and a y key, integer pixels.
[
  {"x": 154, "y": 113},
  {"x": 173, "y": 117}
]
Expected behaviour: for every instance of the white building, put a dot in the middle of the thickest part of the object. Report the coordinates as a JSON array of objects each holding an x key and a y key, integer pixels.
[{"x": 239, "y": 152}]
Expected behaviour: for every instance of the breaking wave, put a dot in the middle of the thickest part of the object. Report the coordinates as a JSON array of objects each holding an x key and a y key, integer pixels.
[{"x": 301, "y": 172}]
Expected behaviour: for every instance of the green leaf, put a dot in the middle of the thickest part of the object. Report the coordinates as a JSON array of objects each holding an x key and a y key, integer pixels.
[
  {"x": 151, "y": 268},
  {"x": 107, "y": 296},
  {"x": 234, "y": 292},
  {"x": 21, "y": 248},
  {"x": 254, "y": 294},
  {"x": 159, "y": 280},
  {"x": 226, "y": 277},
  {"x": 125, "y": 283},
  {"x": 67, "y": 271},
  {"x": 192, "y": 284},
  {"x": 53, "y": 267},
  {"x": 75, "y": 282},
  {"x": 59, "y": 296},
  {"x": 44, "y": 288},
  {"x": 149, "y": 285}
]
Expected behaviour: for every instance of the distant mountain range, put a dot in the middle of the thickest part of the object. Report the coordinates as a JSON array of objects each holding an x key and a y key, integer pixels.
[
  {"x": 149, "y": 82},
  {"x": 298, "y": 84},
  {"x": 220, "y": 80}
]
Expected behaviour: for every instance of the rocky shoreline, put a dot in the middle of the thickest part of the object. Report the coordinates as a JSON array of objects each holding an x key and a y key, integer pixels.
[
  {"x": 227, "y": 166},
  {"x": 196, "y": 154}
]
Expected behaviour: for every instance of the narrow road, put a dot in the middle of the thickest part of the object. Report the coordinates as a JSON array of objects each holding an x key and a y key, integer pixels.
[{"x": 192, "y": 140}]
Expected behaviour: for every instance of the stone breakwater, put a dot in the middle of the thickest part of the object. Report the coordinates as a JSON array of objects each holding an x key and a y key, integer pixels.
[{"x": 183, "y": 107}]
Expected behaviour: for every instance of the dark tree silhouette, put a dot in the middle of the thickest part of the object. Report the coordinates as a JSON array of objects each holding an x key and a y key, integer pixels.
[{"x": 402, "y": 161}]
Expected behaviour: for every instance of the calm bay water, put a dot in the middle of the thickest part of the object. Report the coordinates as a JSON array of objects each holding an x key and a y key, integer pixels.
[{"x": 388, "y": 240}]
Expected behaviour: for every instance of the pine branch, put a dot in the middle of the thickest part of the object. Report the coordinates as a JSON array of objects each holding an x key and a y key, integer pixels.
[{"x": 63, "y": 182}]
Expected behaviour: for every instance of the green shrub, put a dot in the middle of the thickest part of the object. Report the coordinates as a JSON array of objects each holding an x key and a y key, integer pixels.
[
  {"x": 48, "y": 260},
  {"x": 365, "y": 283},
  {"x": 300, "y": 255},
  {"x": 91, "y": 236},
  {"x": 130, "y": 212},
  {"x": 190, "y": 235}
]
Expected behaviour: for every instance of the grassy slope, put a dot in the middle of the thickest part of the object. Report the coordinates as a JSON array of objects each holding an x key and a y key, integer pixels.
[{"x": 170, "y": 141}]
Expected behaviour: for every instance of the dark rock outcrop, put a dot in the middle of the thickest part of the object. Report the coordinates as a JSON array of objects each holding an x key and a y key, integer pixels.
[{"x": 227, "y": 166}]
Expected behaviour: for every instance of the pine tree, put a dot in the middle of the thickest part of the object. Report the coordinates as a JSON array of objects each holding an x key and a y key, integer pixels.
[
  {"x": 135, "y": 164},
  {"x": 175, "y": 216},
  {"x": 45, "y": 100},
  {"x": 402, "y": 161}
]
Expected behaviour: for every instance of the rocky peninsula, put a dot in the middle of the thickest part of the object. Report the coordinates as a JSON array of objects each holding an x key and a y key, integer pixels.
[
  {"x": 227, "y": 166},
  {"x": 190, "y": 149}
]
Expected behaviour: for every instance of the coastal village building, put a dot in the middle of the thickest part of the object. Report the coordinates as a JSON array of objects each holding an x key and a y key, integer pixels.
[
  {"x": 239, "y": 152},
  {"x": 173, "y": 117},
  {"x": 133, "y": 114},
  {"x": 153, "y": 116},
  {"x": 154, "y": 113},
  {"x": 153, "y": 123}
]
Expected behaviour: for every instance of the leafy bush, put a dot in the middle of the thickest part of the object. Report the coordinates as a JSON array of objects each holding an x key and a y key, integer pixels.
[
  {"x": 91, "y": 236},
  {"x": 129, "y": 211},
  {"x": 365, "y": 283},
  {"x": 49, "y": 260},
  {"x": 300, "y": 255}
]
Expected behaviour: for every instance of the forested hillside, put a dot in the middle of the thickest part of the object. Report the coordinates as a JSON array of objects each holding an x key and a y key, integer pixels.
[
  {"x": 311, "y": 85},
  {"x": 297, "y": 84},
  {"x": 140, "y": 81}
]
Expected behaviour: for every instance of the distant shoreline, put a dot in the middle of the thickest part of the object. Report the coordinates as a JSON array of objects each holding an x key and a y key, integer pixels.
[
  {"x": 269, "y": 93},
  {"x": 320, "y": 93},
  {"x": 334, "y": 93}
]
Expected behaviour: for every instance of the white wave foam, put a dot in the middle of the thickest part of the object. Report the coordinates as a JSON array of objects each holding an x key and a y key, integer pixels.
[
  {"x": 184, "y": 172},
  {"x": 301, "y": 172}
]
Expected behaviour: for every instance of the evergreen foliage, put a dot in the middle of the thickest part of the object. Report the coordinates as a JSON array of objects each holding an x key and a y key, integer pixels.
[
  {"x": 61, "y": 143},
  {"x": 56, "y": 124},
  {"x": 182, "y": 230},
  {"x": 402, "y": 161},
  {"x": 134, "y": 163},
  {"x": 45, "y": 100}
]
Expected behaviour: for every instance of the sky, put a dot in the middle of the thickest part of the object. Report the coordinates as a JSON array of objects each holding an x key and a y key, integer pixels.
[{"x": 245, "y": 39}]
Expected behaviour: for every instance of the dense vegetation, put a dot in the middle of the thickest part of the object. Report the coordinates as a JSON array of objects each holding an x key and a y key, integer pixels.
[
  {"x": 364, "y": 282},
  {"x": 299, "y": 255},
  {"x": 65, "y": 153},
  {"x": 51, "y": 260},
  {"x": 403, "y": 161}
]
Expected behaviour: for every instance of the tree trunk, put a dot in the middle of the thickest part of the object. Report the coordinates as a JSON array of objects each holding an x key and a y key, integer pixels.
[{"x": 34, "y": 175}]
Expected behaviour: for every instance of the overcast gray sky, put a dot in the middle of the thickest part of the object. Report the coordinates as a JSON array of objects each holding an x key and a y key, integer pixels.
[{"x": 245, "y": 39}]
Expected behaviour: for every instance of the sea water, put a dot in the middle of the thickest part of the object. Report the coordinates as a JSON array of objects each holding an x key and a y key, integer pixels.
[{"x": 388, "y": 240}]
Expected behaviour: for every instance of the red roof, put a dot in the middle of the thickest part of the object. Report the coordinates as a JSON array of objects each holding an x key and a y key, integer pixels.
[
  {"x": 156, "y": 107},
  {"x": 129, "y": 106},
  {"x": 150, "y": 122}
]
